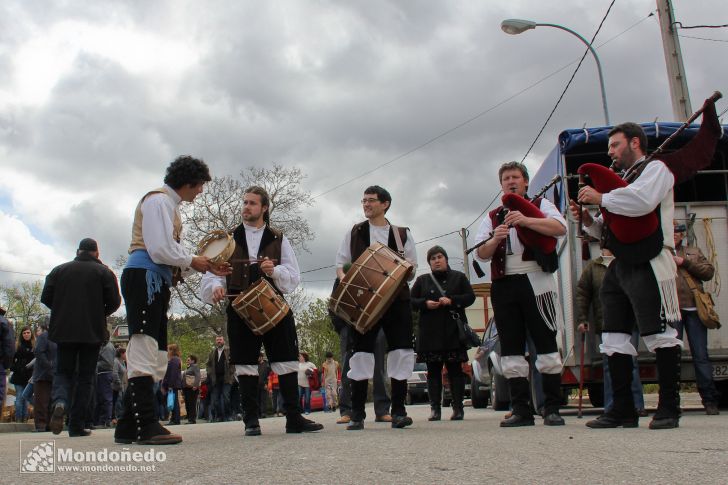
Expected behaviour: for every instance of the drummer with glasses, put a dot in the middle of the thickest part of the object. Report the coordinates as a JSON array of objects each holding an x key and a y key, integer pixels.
[
  {"x": 261, "y": 251},
  {"x": 396, "y": 322}
]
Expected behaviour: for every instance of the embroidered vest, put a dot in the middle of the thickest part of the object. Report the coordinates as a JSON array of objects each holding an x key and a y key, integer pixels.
[
  {"x": 137, "y": 236},
  {"x": 548, "y": 263},
  {"x": 244, "y": 274},
  {"x": 360, "y": 241}
]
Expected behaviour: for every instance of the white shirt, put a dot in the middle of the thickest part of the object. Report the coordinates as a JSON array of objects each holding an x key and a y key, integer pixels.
[
  {"x": 286, "y": 274},
  {"x": 158, "y": 212},
  {"x": 378, "y": 234},
  {"x": 653, "y": 186},
  {"x": 514, "y": 262}
]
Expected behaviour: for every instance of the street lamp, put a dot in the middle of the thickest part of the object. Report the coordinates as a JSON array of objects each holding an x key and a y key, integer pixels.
[{"x": 518, "y": 26}]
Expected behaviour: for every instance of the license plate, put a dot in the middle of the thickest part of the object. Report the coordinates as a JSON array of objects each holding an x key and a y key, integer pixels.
[{"x": 720, "y": 371}]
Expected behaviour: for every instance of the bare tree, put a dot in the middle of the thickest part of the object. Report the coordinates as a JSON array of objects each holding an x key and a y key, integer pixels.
[{"x": 220, "y": 206}]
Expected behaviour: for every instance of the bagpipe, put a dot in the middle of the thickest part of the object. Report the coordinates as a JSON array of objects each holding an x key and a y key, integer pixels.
[
  {"x": 639, "y": 239},
  {"x": 543, "y": 247}
]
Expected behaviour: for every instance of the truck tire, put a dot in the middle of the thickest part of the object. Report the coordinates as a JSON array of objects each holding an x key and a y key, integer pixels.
[
  {"x": 478, "y": 398},
  {"x": 499, "y": 395},
  {"x": 596, "y": 394}
]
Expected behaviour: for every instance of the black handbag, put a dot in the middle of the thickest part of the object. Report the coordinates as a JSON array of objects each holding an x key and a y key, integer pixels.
[{"x": 466, "y": 334}]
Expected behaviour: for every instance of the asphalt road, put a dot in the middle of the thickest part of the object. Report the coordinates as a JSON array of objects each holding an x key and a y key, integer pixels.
[{"x": 475, "y": 450}]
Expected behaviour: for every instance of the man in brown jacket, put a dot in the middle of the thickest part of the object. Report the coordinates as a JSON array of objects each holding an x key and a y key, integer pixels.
[{"x": 692, "y": 264}]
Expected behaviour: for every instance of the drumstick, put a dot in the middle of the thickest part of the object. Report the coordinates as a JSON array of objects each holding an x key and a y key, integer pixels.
[{"x": 252, "y": 260}]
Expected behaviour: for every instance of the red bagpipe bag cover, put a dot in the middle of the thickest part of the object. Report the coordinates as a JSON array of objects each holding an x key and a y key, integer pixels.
[
  {"x": 626, "y": 229},
  {"x": 529, "y": 237}
]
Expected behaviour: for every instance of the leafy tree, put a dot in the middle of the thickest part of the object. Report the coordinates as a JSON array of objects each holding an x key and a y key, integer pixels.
[
  {"x": 316, "y": 334},
  {"x": 22, "y": 301}
]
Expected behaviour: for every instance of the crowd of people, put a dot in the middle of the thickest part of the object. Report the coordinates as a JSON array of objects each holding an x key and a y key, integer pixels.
[{"x": 644, "y": 289}]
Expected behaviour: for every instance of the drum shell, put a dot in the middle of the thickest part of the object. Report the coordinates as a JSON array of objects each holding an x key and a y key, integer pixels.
[
  {"x": 223, "y": 255},
  {"x": 370, "y": 287},
  {"x": 261, "y": 307}
]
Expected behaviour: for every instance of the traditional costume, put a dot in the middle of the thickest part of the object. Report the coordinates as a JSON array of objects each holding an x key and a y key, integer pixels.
[
  {"x": 639, "y": 286},
  {"x": 524, "y": 296},
  {"x": 281, "y": 342},
  {"x": 396, "y": 324},
  {"x": 154, "y": 254}
]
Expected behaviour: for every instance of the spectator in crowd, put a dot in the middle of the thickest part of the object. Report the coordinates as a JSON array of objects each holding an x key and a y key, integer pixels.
[
  {"x": 692, "y": 264},
  {"x": 331, "y": 372},
  {"x": 7, "y": 350},
  {"x": 119, "y": 383},
  {"x": 104, "y": 390},
  {"x": 80, "y": 294},
  {"x": 172, "y": 381},
  {"x": 21, "y": 371},
  {"x": 221, "y": 375},
  {"x": 45, "y": 362},
  {"x": 204, "y": 412},
  {"x": 263, "y": 371},
  {"x": 191, "y": 388},
  {"x": 439, "y": 297},
  {"x": 275, "y": 392},
  {"x": 589, "y": 309},
  {"x": 305, "y": 370}
]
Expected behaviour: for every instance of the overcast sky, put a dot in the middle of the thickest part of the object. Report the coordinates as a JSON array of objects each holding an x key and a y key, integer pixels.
[{"x": 96, "y": 99}]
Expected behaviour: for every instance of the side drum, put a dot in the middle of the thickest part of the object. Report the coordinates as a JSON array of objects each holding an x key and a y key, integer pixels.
[
  {"x": 370, "y": 287},
  {"x": 261, "y": 307}
]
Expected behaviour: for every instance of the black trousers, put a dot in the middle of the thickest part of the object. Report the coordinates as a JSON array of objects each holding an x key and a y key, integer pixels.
[
  {"x": 281, "y": 342},
  {"x": 397, "y": 326},
  {"x": 630, "y": 295},
  {"x": 75, "y": 367},
  {"x": 516, "y": 314},
  {"x": 143, "y": 317}
]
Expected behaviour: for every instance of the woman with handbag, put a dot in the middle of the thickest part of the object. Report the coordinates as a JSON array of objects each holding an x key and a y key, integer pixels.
[
  {"x": 441, "y": 298},
  {"x": 21, "y": 371},
  {"x": 172, "y": 382},
  {"x": 191, "y": 388}
]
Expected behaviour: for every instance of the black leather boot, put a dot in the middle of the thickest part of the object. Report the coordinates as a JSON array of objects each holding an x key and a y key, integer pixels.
[
  {"x": 295, "y": 422},
  {"x": 623, "y": 413},
  {"x": 552, "y": 399},
  {"x": 434, "y": 392},
  {"x": 399, "y": 394},
  {"x": 248, "y": 388},
  {"x": 146, "y": 429},
  {"x": 457, "y": 391},
  {"x": 521, "y": 414},
  {"x": 668, "y": 376},
  {"x": 358, "y": 401}
]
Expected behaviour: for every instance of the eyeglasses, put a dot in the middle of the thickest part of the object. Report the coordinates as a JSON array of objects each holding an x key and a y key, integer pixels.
[{"x": 370, "y": 200}]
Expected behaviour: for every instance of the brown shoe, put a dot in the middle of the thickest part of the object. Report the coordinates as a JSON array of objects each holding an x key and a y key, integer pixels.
[
  {"x": 345, "y": 419},
  {"x": 156, "y": 434},
  {"x": 384, "y": 418}
]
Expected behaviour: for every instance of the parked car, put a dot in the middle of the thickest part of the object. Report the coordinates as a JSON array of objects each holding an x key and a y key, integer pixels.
[
  {"x": 487, "y": 382},
  {"x": 417, "y": 384}
]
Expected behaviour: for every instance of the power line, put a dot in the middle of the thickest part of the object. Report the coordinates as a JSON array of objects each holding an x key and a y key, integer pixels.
[
  {"x": 20, "y": 272},
  {"x": 680, "y": 25},
  {"x": 701, "y": 38},
  {"x": 476, "y": 116},
  {"x": 568, "y": 84}
]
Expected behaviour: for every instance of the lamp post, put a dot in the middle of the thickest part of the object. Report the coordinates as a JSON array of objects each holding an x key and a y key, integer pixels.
[{"x": 518, "y": 26}]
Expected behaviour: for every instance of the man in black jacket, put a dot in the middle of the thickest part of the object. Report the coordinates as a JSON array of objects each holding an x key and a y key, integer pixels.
[{"x": 80, "y": 294}]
